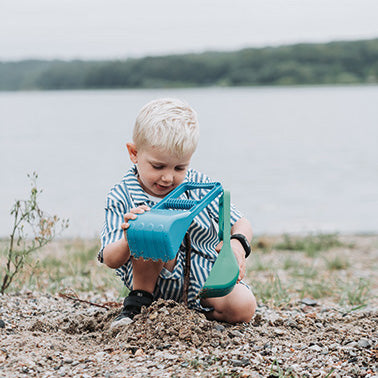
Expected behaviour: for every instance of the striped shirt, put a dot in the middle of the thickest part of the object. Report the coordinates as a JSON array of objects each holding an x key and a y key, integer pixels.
[{"x": 203, "y": 233}]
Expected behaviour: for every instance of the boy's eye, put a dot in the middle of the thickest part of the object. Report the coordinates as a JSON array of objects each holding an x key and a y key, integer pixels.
[
  {"x": 157, "y": 166},
  {"x": 179, "y": 168}
]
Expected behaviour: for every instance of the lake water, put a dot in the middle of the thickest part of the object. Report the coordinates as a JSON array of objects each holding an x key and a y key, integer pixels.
[{"x": 295, "y": 159}]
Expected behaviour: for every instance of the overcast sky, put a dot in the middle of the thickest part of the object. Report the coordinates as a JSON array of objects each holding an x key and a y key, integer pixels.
[{"x": 93, "y": 29}]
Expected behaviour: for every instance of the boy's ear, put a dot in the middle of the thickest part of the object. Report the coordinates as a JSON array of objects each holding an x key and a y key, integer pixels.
[{"x": 133, "y": 152}]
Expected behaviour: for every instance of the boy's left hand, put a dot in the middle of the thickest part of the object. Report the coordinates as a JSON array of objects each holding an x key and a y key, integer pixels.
[{"x": 239, "y": 253}]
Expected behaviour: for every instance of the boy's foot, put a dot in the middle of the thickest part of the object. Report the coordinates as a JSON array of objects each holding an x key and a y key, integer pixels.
[{"x": 132, "y": 305}]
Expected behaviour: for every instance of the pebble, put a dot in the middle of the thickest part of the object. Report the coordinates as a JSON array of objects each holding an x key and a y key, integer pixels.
[
  {"x": 309, "y": 302},
  {"x": 325, "y": 350},
  {"x": 240, "y": 363},
  {"x": 2, "y": 323},
  {"x": 292, "y": 324},
  {"x": 364, "y": 343},
  {"x": 139, "y": 352},
  {"x": 315, "y": 348},
  {"x": 219, "y": 327},
  {"x": 334, "y": 346},
  {"x": 153, "y": 316},
  {"x": 235, "y": 333}
]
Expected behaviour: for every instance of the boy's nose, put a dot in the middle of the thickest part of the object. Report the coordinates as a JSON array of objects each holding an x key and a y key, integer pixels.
[{"x": 167, "y": 177}]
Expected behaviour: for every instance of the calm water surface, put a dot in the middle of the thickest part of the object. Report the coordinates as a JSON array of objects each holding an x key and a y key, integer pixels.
[{"x": 294, "y": 159}]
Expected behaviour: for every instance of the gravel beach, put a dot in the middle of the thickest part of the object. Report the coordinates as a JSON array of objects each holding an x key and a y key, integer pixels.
[{"x": 50, "y": 335}]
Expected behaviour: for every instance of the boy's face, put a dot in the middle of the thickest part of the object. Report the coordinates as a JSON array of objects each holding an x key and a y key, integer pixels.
[{"x": 159, "y": 171}]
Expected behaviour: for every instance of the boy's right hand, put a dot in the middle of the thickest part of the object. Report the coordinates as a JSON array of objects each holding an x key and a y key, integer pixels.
[{"x": 133, "y": 215}]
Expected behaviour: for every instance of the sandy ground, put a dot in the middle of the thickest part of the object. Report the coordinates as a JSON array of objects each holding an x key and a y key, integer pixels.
[{"x": 44, "y": 335}]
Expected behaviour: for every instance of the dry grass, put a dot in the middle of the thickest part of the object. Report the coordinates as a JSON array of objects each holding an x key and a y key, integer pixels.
[
  {"x": 331, "y": 268},
  {"x": 282, "y": 269}
]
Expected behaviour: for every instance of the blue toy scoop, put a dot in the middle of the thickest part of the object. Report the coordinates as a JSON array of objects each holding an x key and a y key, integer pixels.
[{"x": 157, "y": 234}]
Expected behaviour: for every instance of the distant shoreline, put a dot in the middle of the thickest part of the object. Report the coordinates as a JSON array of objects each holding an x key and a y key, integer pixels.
[
  {"x": 270, "y": 86},
  {"x": 332, "y": 63}
]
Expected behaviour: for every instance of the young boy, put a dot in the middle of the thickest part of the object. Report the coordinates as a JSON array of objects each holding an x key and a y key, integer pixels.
[{"x": 165, "y": 137}]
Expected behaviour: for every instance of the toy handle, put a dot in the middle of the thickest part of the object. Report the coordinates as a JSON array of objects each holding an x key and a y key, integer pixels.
[
  {"x": 224, "y": 217},
  {"x": 180, "y": 204},
  {"x": 172, "y": 202},
  {"x": 200, "y": 185}
]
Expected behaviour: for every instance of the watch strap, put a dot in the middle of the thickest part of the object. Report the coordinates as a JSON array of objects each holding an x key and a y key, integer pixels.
[{"x": 244, "y": 242}]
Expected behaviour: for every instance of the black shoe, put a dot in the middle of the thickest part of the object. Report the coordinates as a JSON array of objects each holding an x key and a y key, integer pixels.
[{"x": 132, "y": 305}]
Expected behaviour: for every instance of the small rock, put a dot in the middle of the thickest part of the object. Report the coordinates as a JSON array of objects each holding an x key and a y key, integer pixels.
[
  {"x": 235, "y": 333},
  {"x": 325, "y": 350},
  {"x": 153, "y": 316},
  {"x": 268, "y": 345},
  {"x": 245, "y": 361},
  {"x": 219, "y": 327},
  {"x": 334, "y": 346},
  {"x": 214, "y": 343},
  {"x": 100, "y": 355},
  {"x": 236, "y": 363},
  {"x": 2, "y": 323},
  {"x": 164, "y": 311},
  {"x": 315, "y": 348},
  {"x": 3, "y": 355},
  {"x": 170, "y": 356},
  {"x": 292, "y": 324},
  {"x": 257, "y": 320},
  {"x": 364, "y": 343},
  {"x": 185, "y": 334},
  {"x": 139, "y": 352},
  {"x": 309, "y": 302}
]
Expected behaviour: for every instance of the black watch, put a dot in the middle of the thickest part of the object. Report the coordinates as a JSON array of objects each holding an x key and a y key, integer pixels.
[{"x": 244, "y": 242}]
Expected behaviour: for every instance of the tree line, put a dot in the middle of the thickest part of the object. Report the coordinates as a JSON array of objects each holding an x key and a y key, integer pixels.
[{"x": 340, "y": 62}]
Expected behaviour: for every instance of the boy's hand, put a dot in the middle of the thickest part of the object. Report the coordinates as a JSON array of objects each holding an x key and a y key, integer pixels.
[
  {"x": 239, "y": 253},
  {"x": 133, "y": 215}
]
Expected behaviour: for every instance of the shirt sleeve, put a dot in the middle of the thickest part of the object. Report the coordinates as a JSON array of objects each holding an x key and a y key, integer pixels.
[{"x": 112, "y": 231}]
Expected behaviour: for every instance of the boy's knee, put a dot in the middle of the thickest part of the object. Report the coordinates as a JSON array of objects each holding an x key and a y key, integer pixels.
[
  {"x": 244, "y": 310},
  {"x": 237, "y": 307}
]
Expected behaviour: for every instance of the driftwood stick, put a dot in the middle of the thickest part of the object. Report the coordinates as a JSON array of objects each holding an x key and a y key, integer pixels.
[
  {"x": 188, "y": 250},
  {"x": 76, "y": 299}
]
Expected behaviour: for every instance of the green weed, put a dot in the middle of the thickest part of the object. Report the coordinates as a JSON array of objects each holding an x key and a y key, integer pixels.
[
  {"x": 272, "y": 291},
  {"x": 277, "y": 371},
  {"x": 310, "y": 244},
  {"x": 354, "y": 293},
  {"x": 305, "y": 271},
  {"x": 290, "y": 263},
  {"x": 315, "y": 290},
  {"x": 258, "y": 264},
  {"x": 32, "y": 229},
  {"x": 69, "y": 265},
  {"x": 337, "y": 263}
]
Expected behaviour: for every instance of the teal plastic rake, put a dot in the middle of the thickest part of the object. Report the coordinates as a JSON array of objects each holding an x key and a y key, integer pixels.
[
  {"x": 225, "y": 271},
  {"x": 157, "y": 234}
]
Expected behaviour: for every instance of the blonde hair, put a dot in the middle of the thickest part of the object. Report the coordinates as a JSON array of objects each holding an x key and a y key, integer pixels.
[{"x": 169, "y": 124}]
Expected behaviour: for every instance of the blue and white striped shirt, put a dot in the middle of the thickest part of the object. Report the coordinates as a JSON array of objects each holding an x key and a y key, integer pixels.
[{"x": 203, "y": 233}]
